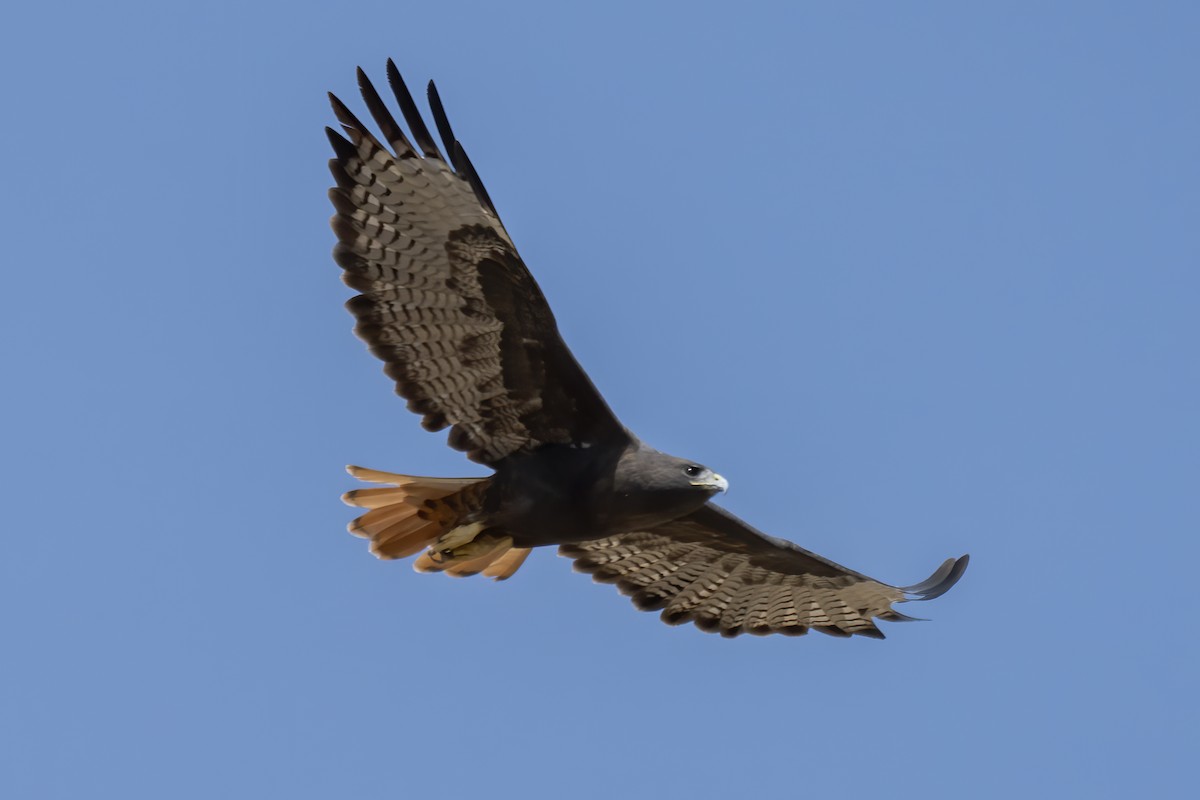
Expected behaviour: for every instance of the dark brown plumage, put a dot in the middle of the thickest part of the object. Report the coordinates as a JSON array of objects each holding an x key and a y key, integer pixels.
[{"x": 466, "y": 334}]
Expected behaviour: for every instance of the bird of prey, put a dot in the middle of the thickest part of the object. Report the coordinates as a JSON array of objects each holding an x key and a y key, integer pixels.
[{"x": 466, "y": 334}]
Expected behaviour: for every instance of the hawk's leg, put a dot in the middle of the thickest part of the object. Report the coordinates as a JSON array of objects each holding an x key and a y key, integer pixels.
[{"x": 467, "y": 543}]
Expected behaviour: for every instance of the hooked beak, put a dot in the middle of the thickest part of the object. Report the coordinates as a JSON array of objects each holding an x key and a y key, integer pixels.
[{"x": 713, "y": 481}]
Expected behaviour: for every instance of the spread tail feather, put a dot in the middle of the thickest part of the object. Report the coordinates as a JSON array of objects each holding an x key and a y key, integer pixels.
[{"x": 413, "y": 513}]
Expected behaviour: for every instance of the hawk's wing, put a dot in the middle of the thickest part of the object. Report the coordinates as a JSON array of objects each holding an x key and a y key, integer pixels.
[
  {"x": 446, "y": 302},
  {"x": 712, "y": 569}
]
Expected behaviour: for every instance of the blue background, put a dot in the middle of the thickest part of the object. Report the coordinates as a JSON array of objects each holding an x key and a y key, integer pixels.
[{"x": 920, "y": 279}]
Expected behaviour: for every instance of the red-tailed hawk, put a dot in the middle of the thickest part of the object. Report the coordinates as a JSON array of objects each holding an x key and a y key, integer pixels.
[{"x": 462, "y": 328}]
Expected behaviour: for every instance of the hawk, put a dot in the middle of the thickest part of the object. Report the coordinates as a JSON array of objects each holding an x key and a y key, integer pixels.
[{"x": 447, "y": 304}]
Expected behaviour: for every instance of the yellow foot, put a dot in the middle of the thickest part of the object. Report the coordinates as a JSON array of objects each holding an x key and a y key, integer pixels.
[
  {"x": 451, "y": 542},
  {"x": 453, "y": 548}
]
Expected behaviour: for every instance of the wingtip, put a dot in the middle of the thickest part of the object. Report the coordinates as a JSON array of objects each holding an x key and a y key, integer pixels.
[
  {"x": 339, "y": 108},
  {"x": 411, "y": 114},
  {"x": 941, "y": 581}
]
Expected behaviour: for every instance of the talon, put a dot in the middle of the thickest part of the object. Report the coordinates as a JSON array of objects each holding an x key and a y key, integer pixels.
[
  {"x": 453, "y": 541},
  {"x": 477, "y": 547}
]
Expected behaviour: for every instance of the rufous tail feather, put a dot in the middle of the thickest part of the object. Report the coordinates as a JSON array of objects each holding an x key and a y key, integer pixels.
[{"x": 412, "y": 513}]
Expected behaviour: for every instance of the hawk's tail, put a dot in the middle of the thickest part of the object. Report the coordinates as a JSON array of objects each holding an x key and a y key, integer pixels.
[{"x": 413, "y": 513}]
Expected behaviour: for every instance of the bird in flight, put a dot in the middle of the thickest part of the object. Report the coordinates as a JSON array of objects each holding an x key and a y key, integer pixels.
[{"x": 447, "y": 304}]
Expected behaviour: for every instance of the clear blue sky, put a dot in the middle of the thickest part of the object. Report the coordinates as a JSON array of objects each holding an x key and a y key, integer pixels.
[{"x": 920, "y": 279}]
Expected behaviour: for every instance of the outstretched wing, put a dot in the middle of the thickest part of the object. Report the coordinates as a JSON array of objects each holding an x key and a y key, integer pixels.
[
  {"x": 712, "y": 569},
  {"x": 446, "y": 302}
]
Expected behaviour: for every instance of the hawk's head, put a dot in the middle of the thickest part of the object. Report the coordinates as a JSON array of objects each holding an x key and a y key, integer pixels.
[{"x": 652, "y": 487}]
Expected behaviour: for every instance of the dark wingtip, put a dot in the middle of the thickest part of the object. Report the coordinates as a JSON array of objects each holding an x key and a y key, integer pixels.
[
  {"x": 408, "y": 108},
  {"x": 941, "y": 581},
  {"x": 340, "y": 110},
  {"x": 344, "y": 149},
  {"x": 441, "y": 121},
  {"x": 353, "y": 126},
  {"x": 383, "y": 117}
]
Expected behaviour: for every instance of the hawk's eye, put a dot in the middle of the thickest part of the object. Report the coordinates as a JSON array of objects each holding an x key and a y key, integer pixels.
[{"x": 692, "y": 471}]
